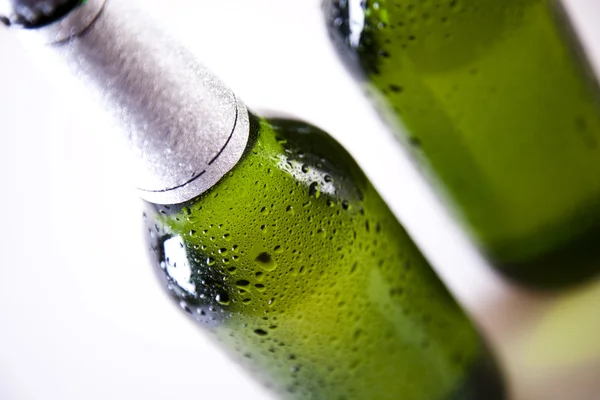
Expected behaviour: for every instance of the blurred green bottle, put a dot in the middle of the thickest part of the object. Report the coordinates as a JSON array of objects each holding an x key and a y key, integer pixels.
[
  {"x": 266, "y": 232},
  {"x": 494, "y": 100}
]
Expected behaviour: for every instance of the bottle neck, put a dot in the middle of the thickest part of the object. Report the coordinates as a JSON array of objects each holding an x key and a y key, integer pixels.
[{"x": 186, "y": 129}]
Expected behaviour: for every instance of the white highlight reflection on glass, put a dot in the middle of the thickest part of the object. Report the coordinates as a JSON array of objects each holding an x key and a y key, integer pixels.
[{"x": 177, "y": 266}]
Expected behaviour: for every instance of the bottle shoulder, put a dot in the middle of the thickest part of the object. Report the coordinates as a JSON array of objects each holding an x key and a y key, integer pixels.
[{"x": 291, "y": 149}]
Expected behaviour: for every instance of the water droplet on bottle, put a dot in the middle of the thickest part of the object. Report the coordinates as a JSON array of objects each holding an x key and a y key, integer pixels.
[
  {"x": 314, "y": 190},
  {"x": 260, "y": 287},
  {"x": 184, "y": 306},
  {"x": 396, "y": 88},
  {"x": 222, "y": 298},
  {"x": 265, "y": 261}
]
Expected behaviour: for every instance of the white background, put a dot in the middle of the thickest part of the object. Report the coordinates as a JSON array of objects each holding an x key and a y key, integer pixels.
[{"x": 81, "y": 314}]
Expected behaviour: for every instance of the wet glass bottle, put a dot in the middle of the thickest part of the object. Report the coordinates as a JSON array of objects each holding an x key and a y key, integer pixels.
[
  {"x": 494, "y": 100},
  {"x": 267, "y": 233}
]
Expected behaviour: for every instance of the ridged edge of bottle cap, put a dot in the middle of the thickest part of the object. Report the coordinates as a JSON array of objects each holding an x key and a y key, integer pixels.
[
  {"x": 37, "y": 13},
  {"x": 70, "y": 23}
]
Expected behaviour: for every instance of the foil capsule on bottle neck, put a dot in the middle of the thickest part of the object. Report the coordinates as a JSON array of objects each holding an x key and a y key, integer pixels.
[{"x": 185, "y": 128}]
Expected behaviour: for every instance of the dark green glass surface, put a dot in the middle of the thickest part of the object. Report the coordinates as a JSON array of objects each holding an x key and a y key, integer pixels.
[
  {"x": 296, "y": 264},
  {"x": 494, "y": 101}
]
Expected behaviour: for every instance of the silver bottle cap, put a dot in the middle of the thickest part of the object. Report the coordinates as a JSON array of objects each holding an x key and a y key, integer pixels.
[{"x": 185, "y": 127}]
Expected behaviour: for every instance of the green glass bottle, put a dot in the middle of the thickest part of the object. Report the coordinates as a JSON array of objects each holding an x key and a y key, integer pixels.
[
  {"x": 294, "y": 261},
  {"x": 267, "y": 233},
  {"x": 494, "y": 101}
]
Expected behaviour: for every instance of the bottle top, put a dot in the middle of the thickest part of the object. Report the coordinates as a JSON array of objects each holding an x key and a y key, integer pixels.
[
  {"x": 185, "y": 127},
  {"x": 32, "y": 13}
]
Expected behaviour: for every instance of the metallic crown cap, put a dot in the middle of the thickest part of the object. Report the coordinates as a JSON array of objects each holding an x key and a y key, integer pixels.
[
  {"x": 185, "y": 127},
  {"x": 32, "y": 13}
]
